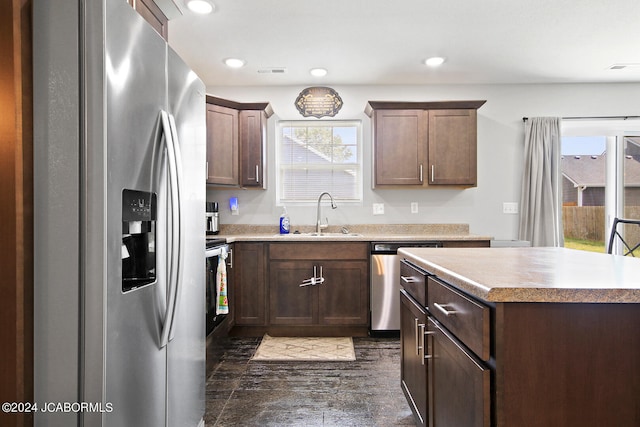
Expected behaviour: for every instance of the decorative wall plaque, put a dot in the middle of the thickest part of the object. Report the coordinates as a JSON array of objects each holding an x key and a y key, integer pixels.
[{"x": 318, "y": 102}]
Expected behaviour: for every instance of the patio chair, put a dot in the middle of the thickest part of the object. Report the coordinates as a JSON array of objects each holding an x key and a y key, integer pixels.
[{"x": 615, "y": 232}]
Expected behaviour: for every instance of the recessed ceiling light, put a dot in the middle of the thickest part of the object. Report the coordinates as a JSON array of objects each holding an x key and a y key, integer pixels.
[
  {"x": 234, "y": 63},
  {"x": 434, "y": 61},
  {"x": 202, "y": 7},
  {"x": 318, "y": 72}
]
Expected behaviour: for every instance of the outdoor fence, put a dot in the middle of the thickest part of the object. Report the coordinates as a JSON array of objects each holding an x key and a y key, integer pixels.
[{"x": 587, "y": 223}]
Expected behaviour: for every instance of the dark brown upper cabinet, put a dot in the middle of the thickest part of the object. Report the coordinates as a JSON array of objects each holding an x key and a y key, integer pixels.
[
  {"x": 222, "y": 145},
  {"x": 422, "y": 144},
  {"x": 236, "y": 143},
  {"x": 153, "y": 15}
]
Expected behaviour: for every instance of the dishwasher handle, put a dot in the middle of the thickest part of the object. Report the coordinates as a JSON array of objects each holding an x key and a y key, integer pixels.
[{"x": 391, "y": 248}]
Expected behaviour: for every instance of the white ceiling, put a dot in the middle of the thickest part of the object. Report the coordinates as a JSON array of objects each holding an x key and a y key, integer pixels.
[{"x": 379, "y": 42}]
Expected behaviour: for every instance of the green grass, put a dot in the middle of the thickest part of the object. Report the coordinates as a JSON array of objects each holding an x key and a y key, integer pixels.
[{"x": 584, "y": 245}]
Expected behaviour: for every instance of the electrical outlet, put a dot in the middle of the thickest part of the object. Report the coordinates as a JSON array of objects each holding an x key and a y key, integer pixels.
[
  {"x": 378, "y": 208},
  {"x": 510, "y": 208},
  {"x": 414, "y": 207}
]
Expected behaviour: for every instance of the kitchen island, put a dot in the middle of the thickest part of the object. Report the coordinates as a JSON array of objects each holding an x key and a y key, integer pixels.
[{"x": 521, "y": 337}]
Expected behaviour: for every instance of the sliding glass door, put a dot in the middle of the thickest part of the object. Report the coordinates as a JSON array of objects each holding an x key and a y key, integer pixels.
[
  {"x": 631, "y": 183},
  {"x": 583, "y": 168},
  {"x": 601, "y": 181}
]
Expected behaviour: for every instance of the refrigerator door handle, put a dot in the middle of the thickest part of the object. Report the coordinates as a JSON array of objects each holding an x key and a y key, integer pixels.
[
  {"x": 175, "y": 232},
  {"x": 180, "y": 200}
]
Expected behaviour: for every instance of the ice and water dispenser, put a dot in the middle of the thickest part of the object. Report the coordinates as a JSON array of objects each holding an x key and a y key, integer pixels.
[{"x": 138, "y": 239}]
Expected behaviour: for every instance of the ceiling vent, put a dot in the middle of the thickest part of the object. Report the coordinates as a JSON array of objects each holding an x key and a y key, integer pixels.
[
  {"x": 623, "y": 66},
  {"x": 274, "y": 70}
]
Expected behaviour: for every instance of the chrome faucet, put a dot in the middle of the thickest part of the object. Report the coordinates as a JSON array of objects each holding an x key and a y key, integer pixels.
[{"x": 319, "y": 225}]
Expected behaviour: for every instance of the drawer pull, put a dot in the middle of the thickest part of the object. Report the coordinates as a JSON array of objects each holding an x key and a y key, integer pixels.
[
  {"x": 443, "y": 309},
  {"x": 408, "y": 279}
]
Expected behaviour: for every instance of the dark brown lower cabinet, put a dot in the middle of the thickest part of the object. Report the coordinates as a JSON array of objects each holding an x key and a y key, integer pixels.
[
  {"x": 339, "y": 297},
  {"x": 250, "y": 289},
  {"x": 459, "y": 383},
  {"x": 413, "y": 369},
  {"x": 343, "y": 298},
  {"x": 445, "y": 383},
  {"x": 290, "y": 303}
]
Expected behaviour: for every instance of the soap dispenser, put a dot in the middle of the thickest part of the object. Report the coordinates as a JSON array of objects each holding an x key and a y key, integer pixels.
[{"x": 285, "y": 224}]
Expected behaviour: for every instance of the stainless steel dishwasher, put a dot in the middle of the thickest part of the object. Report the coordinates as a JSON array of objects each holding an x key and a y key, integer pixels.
[{"x": 385, "y": 284}]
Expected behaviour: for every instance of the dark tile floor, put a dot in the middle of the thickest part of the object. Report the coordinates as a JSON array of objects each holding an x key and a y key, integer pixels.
[{"x": 366, "y": 392}]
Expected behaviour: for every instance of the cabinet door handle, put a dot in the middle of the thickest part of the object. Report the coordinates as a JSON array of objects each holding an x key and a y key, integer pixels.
[
  {"x": 423, "y": 344},
  {"x": 230, "y": 263},
  {"x": 207, "y": 169},
  {"x": 311, "y": 281},
  {"x": 315, "y": 280},
  {"x": 420, "y": 343},
  {"x": 433, "y": 172},
  {"x": 421, "y": 177},
  {"x": 257, "y": 174},
  {"x": 425, "y": 356},
  {"x": 444, "y": 310},
  {"x": 408, "y": 279},
  {"x": 417, "y": 330}
]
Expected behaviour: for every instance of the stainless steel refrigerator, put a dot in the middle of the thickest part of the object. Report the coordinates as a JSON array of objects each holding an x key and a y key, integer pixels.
[{"x": 119, "y": 188}]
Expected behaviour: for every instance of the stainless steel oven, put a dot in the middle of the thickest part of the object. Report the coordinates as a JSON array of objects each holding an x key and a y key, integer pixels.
[{"x": 214, "y": 250}]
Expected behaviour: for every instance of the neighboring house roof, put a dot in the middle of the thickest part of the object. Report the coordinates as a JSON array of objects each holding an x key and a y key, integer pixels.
[
  {"x": 295, "y": 151},
  {"x": 584, "y": 170},
  {"x": 633, "y": 146},
  {"x": 589, "y": 170},
  {"x": 300, "y": 182}
]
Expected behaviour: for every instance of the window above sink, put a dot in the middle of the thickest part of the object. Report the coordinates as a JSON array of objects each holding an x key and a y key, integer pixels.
[{"x": 317, "y": 156}]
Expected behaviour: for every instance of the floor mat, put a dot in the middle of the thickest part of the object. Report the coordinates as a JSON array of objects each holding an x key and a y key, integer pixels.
[{"x": 305, "y": 348}]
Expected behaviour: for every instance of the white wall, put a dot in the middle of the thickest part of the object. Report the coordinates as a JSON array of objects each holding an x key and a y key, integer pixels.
[{"x": 500, "y": 148}]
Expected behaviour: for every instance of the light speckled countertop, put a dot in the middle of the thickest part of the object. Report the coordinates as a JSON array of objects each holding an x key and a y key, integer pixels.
[
  {"x": 357, "y": 233},
  {"x": 533, "y": 274}
]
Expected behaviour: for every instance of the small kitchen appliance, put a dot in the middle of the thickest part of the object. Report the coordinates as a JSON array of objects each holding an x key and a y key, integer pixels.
[{"x": 212, "y": 218}]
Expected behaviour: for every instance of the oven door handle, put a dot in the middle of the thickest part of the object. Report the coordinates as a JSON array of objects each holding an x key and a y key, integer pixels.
[{"x": 217, "y": 251}]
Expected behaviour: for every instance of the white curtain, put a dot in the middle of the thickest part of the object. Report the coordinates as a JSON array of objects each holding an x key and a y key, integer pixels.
[{"x": 541, "y": 203}]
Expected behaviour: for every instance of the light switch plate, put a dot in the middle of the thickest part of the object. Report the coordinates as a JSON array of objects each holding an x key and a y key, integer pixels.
[
  {"x": 414, "y": 207},
  {"x": 510, "y": 207},
  {"x": 378, "y": 208}
]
